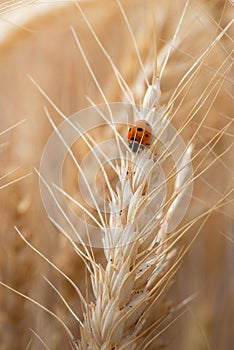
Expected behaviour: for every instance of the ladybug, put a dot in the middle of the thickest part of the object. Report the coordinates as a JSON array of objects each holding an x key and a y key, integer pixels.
[{"x": 139, "y": 135}]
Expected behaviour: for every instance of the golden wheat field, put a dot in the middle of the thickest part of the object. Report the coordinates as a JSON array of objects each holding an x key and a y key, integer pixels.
[{"x": 142, "y": 286}]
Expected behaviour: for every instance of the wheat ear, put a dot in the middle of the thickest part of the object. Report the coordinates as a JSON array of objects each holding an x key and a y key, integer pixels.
[{"x": 124, "y": 306}]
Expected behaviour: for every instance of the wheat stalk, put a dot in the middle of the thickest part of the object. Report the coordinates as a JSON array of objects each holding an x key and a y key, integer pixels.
[{"x": 126, "y": 308}]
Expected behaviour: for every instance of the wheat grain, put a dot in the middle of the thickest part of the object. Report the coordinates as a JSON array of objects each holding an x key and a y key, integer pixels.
[{"x": 126, "y": 308}]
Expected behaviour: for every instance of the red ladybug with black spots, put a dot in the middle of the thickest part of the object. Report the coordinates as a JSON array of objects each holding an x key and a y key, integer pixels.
[{"x": 139, "y": 135}]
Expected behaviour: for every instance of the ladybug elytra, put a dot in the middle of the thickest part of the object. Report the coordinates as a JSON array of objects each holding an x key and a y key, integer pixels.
[{"x": 139, "y": 134}]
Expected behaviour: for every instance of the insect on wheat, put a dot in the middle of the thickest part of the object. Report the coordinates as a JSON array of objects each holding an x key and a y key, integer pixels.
[{"x": 133, "y": 189}]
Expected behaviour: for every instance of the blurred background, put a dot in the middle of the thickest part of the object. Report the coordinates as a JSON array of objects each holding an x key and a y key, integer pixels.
[{"x": 36, "y": 40}]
